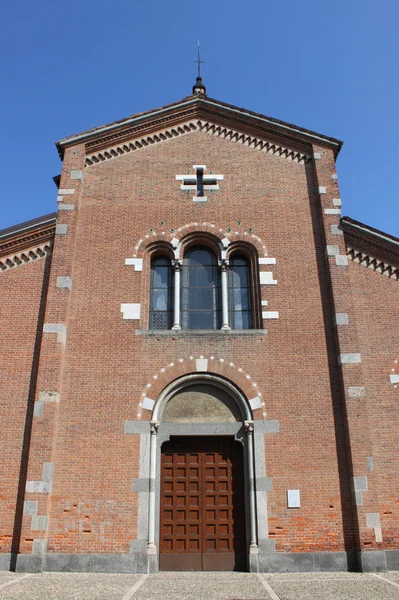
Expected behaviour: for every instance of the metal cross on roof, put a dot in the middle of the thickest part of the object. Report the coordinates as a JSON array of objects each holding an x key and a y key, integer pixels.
[
  {"x": 199, "y": 61},
  {"x": 199, "y": 182}
]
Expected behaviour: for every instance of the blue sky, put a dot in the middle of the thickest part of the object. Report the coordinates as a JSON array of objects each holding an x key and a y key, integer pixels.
[{"x": 327, "y": 66}]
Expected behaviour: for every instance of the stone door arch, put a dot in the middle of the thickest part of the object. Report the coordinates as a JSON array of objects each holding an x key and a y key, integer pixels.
[{"x": 193, "y": 406}]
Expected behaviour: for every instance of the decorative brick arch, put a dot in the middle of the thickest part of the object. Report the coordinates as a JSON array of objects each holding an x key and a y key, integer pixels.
[
  {"x": 178, "y": 235},
  {"x": 250, "y": 238},
  {"x": 197, "y": 365},
  {"x": 150, "y": 239}
]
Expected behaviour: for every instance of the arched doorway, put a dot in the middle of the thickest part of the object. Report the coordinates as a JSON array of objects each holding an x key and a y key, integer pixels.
[{"x": 202, "y": 513}]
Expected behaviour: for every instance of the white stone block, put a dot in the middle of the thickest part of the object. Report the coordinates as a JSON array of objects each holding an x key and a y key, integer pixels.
[
  {"x": 337, "y": 202},
  {"x": 58, "y": 328},
  {"x": 38, "y": 487},
  {"x": 356, "y": 391},
  {"x": 66, "y": 207},
  {"x": 202, "y": 364},
  {"x": 39, "y": 523},
  {"x": 136, "y": 262},
  {"x": 264, "y": 302},
  {"x": 332, "y": 211},
  {"x": 322, "y": 189},
  {"x": 378, "y": 534},
  {"x": 31, "y": 507},
  {"x": 77, "y": 175},
  {"x": 49, "y": 396},
  {"x": 66, "y": 192},
  {"x": 38, "y": 407},
  {"x": 61, "y": 229},
  {"x": 270, "y": 314},
  {"x": 293, "y": 499},
  {"x": 60, "y": 198},
  {"x": 225, "y": 242},
  {"x": 317, "y": 156},
  {"x": 63, "y": 281},
  {"x": 267, "y": 261},
  {"x": 148, "y": 403},
  {"x": 335, "y": 230},
  {"x": 206, "y": 178},
  {"x": 266, "y": 278},
  {"x": 332, "y": 250},
  {"x": 130, "y": 311},
  {"x": 341, "y": 319},
  {"x": 394, "y": 378},
  {"x": 373, "y": 520},
  {"x": 255, "y": 403},
  {"x": 349, "y": 358},
  {"x": 341, "y": 260}
]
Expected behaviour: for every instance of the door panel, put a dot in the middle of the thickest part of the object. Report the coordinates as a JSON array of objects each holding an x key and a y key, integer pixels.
[{"x": 202, "y": 505}]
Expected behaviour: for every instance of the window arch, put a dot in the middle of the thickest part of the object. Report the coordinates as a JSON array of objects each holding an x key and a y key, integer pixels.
[
  {"x": 200, "y": 289},
  {"x": 161, "y": 293},
  {"x": 240, "y": 292}
]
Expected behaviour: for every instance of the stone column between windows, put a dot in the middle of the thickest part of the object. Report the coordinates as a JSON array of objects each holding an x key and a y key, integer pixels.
[
  {"x": 224, "y": 265},
  {"x": 177, "y": 267}
]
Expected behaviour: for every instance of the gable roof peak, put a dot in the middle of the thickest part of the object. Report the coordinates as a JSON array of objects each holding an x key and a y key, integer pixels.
[{"x": 199, "y": 105}]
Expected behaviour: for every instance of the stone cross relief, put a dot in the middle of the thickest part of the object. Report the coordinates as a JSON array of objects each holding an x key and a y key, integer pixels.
[{"x": 199, "y": 183}]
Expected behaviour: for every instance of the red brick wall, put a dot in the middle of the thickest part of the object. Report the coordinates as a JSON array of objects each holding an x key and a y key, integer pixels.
[
  {"x": 376, "y": 301},
  {"x": 106, "y": 365},
  {"x": 21, "y": 317}
]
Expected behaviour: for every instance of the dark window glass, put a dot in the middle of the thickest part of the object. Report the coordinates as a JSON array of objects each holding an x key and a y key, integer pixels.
[
  {"x": 161, "y": 296},
  {"x": 200, "y": 290},
  {"x": 240, "y": 293}
]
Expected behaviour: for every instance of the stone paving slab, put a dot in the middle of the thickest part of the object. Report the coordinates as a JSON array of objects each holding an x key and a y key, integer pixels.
[
  {"x": 393, "y": 576},
  {"x": 208, "y": 586},
  {"x": 349, "y": 589},
  {"x": 70, "y": 586},
  {"x": 8, "y": 576},
  {"x": 203, "y": 575},
  {"x": 335, "y": 576}
]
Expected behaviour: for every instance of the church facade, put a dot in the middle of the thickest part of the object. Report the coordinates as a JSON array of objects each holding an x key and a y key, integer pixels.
[{"x": 199, "y": 356}]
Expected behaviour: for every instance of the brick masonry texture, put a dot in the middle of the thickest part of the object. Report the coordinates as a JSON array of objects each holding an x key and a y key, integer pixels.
[
  {"x": 104, "y": 366},
  {"x": 378, "y": 330},
  {"x": 20, "y": 318}
]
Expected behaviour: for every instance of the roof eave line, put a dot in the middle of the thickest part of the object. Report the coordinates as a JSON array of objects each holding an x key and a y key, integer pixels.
[
  {"x": 81, "y": 136},
  {"x": 34, "y": 226},
  {"x": 369, "y": 231},
  {"x": 287, "y": 127}
]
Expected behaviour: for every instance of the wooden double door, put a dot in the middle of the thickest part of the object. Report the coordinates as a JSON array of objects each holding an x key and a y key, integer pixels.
[{"x": 202, "y": 520}]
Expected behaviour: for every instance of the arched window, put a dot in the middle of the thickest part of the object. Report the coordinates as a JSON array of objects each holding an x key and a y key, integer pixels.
[
  {"x": 161, "y": 296},
  {"x": 200, "y": 290},
  {"x": 240, "y": 299}
]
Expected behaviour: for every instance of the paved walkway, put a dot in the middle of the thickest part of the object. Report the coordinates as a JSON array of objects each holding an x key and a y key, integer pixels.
[{"x": 201, "y": 586}]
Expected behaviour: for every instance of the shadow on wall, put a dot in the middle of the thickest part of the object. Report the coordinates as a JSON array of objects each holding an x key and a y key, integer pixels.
[
  {"x": 343, "y": 446},
  {"x": 23, "y": 469}
]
